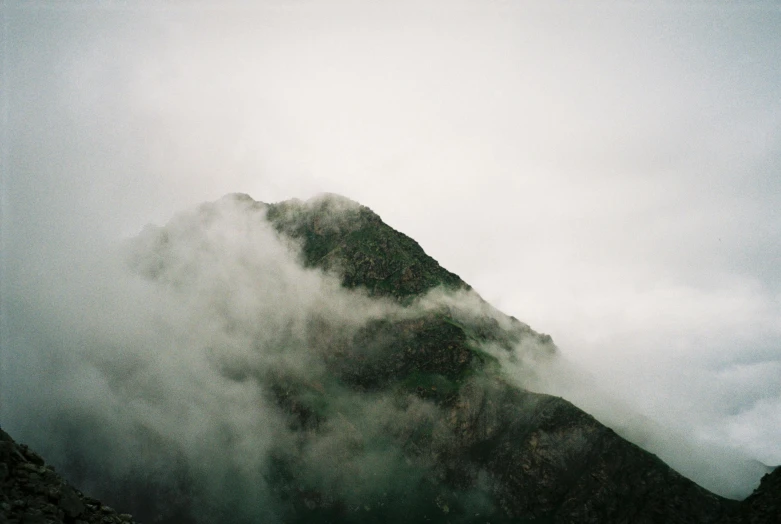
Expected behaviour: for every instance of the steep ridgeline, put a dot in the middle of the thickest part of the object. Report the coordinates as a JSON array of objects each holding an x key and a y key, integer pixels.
[
  {"x": 367, "y": 387},
  {"x": 538, "y": 458},
  {"x": 352, "y": 240}
]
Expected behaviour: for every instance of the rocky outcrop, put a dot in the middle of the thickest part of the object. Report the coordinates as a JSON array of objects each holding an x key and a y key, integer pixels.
[
  {"x": 548, "y": 460},
  {"x": 33, "y": 493},
  {"x": 341, "y": 235}
]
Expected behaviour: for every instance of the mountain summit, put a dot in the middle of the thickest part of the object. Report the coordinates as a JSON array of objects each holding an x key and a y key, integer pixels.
[{"x": 308, "y": 363}]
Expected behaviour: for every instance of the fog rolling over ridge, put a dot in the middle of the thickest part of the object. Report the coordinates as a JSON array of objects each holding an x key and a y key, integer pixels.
[
  {"x": 157, "y": 362},
  {"x": 161, "y": 354},
  {"x": 608, "y": 175},
  {"x": 201, "y": 361}
]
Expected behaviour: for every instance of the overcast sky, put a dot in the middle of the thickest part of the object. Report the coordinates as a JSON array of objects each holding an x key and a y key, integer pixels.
[{"x": 610, "y": 175}]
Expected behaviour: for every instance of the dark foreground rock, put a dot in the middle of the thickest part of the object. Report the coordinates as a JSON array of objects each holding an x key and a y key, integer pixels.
[{"x": 33, "y": 493}]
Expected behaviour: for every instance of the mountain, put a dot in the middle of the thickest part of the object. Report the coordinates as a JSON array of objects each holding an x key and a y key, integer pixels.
[{"x": 357, "y": 381}]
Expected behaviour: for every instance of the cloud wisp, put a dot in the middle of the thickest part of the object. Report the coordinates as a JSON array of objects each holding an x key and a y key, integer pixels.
[{"x": 190, "y": 363}]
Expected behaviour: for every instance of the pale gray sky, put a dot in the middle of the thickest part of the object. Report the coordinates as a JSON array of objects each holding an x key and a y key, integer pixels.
[{"x": 610, "y": 175}]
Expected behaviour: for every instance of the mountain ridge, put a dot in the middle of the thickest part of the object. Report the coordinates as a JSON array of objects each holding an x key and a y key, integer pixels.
[{"x": 456, "y": 441}]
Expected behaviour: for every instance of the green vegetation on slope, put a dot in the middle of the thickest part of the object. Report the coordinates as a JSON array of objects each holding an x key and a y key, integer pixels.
[{"x": 340, "y": 235}]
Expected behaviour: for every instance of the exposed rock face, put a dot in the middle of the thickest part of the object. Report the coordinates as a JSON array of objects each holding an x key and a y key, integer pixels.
[
  {"x": 33, "y": 493},
  {"x": 419, "y": 392},
  {"x": 338, "y": 234}
]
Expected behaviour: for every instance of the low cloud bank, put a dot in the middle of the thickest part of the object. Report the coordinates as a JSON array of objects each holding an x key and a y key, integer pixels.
[{"x": 184, "y": 372}]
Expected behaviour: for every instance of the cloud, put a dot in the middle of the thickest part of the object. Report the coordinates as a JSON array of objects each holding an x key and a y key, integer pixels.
[
  {"x": 178, "y": 351},
  {"x": 187, "y": 369},
  {"x": 685, "y": 374}
]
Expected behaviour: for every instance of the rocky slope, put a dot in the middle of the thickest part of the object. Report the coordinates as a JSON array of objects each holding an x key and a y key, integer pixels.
[
  {"x": 33, "y": 493},
  {"x": 387, "y": 400}
]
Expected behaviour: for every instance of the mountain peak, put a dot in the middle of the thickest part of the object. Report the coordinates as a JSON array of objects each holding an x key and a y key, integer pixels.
[
  {"x": 306, "y": 362},
  {"x": 339, "y": 234}
]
